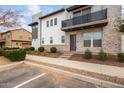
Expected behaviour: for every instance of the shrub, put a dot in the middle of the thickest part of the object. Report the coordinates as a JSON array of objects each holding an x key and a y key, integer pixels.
[
  {"x": 103, "y": 56},
  {"x": 27, "y": 49},
  {"x": 1, "y": 52},
  {"x": 87, "y": 54},
  {"x": 32, "y": 48},
  {"x": 53, "y": 49},
  {"x": 121, "y": 28},
  {"x": 16, "y": 55},
  {"x": 41, "y": 49},
  {"x": 121, "y": 57}
]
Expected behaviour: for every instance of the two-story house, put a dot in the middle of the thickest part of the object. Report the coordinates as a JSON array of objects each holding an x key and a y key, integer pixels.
[
  {"x": 15, "y": 38},
  {"x": 79, "y": 27}
]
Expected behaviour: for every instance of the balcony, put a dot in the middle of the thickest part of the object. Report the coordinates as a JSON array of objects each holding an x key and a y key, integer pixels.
[{"x": 85, "y": 21}]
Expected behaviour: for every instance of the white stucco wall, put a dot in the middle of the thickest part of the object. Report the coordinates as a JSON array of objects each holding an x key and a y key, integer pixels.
[{"x": 53, "y": 31}]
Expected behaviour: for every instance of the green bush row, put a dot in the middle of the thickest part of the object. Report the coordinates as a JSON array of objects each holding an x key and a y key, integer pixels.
[
  {"x": 52, "y": 49},
  {"x": 103, "y": 55}
]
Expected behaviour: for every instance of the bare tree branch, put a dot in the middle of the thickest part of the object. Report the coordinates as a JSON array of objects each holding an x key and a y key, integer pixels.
[{"x": 9, "y": 18}]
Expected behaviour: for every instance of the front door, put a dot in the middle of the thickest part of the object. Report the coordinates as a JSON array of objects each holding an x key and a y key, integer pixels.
[{"x": 73, "y": 42}]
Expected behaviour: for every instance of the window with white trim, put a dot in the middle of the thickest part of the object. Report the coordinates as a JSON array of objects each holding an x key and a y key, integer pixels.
[
  {"x": 55, "y": 21},
  {"x": 51, "y": 40},
  {"x": 42, "y": 40},
  {"x": 92, "y": 39},
  {"x": 87, "y": 39},
  {"x": 62, "y": 39}
]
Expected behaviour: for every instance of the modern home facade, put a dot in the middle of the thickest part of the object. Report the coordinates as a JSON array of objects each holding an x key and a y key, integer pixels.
[
  {"x": 80, "y": 27},
  {"x": 15, "y": 38}
]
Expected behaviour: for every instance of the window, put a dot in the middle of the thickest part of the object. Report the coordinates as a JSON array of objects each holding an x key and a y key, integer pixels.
[
  {"x": 51, "y": 40},
  {"x": 62, "y": 39},
  {"x": 76, "y": 14},
  {"x": 42, "y": 40},
  {"x": 86, "y": 11},
  {"x": 51, "y": 22},
  {"x": 87, "y": 39},
  {"x": 55, "y": 21},
  {"x": 29, "y": 38},
  {"x": 21, "y": 36},
  {"x": 93, "y": 39},
  {"x": 35, "y": 32},
  {"x": 17, "y": 44},
  {"x": 47, "y": 23},
  {"x": 97, "y": 36}
]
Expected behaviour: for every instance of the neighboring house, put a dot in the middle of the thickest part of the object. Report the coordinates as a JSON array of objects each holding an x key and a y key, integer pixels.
[
  {"x": 79, "y": 27},
  {"x": 15, "y": 38}
]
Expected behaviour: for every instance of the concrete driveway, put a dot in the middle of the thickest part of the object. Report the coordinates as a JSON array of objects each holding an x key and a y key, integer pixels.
[{"x": 24, "y": 76}]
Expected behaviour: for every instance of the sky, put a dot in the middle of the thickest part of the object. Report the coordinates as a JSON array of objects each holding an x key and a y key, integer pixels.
[{"x": 29, "y": 10}]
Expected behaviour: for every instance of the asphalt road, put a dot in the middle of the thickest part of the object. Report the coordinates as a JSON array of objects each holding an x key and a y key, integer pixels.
[{"x": 24, "y": 76}]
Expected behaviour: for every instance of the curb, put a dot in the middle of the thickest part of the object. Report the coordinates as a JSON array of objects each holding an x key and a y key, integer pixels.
[
  {"x": 9, "y": 66},
  {"x": 99, "y": 82}
]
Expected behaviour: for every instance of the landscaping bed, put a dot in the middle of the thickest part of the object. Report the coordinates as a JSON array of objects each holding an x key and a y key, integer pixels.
[
  {"x": 87, "y": 73},
  {"x": 45, "y": 53},
  {"x": 4, "y": 61},
  {"x": 112, "y": 60}
]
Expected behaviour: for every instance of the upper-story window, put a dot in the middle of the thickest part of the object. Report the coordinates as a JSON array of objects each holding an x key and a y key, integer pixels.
[
  {"x": 51, "y": 22},
  {"x": 82, "y": 12},
  {"x": 29, "y": 38},
  {"x": 86, "y": 11},
  {"x": 77, "y": 13},
  {"x": 55, "y": 21},
  {"x": 47, "y": 23},
  {"x": 35, "y": 32},
  {"x": 20, "y": 36}
]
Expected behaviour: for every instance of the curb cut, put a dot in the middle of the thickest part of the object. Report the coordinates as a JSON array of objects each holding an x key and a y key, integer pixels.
[
  {"x": 10, "y": 66},
  {"x": 99, "y": 82}
]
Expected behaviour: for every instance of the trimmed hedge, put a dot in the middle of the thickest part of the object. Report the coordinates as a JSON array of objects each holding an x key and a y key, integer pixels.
[
  {"x": 53, "y": 49},
  {"x": 88, "y": 54},
  {"x": 7, "y": 48},
  {"x": 121, "y": 57},
  {"x": 16, "y": 55},
  {"x": 41, "y": 49},
  {"x": 32, "y": 48},
  {"x": 103, "y": 56}
]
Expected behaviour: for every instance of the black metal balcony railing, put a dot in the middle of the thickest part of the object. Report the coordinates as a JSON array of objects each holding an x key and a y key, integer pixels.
[{"x": 96, "y": 16}]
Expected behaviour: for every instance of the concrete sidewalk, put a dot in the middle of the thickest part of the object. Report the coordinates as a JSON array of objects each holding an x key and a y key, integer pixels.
[{"x": 97, "y": 68}]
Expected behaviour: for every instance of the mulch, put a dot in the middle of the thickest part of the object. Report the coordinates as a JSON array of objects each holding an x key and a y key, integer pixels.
[
  {"x": 87, "y": 73},
  {"x": 112, "y": 60}
]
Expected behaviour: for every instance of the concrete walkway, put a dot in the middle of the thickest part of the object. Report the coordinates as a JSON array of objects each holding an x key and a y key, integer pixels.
[{"x": 98, "y": 68}]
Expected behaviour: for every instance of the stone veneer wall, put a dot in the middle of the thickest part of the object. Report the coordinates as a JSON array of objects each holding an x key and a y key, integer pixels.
[
  {"x": 111, "y": 36},
  {"x": 111, "y": 39}
]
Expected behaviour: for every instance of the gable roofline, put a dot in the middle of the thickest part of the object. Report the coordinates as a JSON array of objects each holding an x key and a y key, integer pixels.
[
  {"x": 50, "y": 14},
  {"x": 14, "y": 30}
]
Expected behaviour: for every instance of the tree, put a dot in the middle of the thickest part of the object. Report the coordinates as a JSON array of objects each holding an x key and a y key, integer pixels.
[{"x": 9, "y": 18}]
